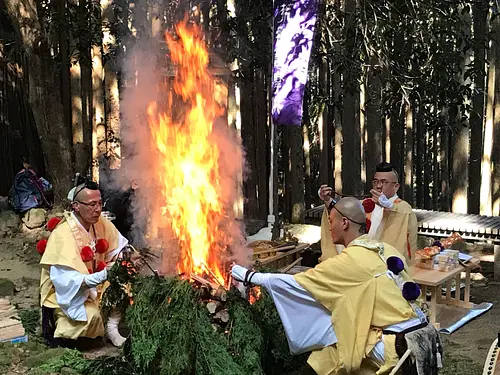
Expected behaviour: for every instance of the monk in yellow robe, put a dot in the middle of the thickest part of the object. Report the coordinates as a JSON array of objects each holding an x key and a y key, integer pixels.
[
  {"x": 78, "y": 254},
  {"x": 364, "y": 301},
  {"x": 392, "y": 219}
]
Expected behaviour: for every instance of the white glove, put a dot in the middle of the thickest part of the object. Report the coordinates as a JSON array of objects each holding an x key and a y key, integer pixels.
[
  {"x": 239, "y": 273},
  {"x": 384, "y": 202},
  {"x": 95, "y": 279}
]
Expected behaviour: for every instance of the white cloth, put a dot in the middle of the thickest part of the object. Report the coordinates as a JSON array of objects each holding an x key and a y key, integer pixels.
[
  {"x": 377, "y": 216},
  {"x": 307, "y": 323},
  {"x": 71, "y": 293}
]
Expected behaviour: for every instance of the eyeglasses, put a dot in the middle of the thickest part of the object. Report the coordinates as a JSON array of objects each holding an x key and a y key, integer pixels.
[
  {"x": 383, "y": 182},
  {"x": 92, "y": 205},
  {"x": 88, "y": 184}
]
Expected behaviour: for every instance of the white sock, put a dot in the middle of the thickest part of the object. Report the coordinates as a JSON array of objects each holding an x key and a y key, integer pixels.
[{"x": 112, "y": 329}]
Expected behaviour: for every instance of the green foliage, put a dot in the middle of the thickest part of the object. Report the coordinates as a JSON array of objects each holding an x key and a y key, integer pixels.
[
  {"x": 116, "y": 295},
  {"x": 70, "y": 358},
  {"x": 171, "y": 333},
  {"x": 30, "y": 319}
]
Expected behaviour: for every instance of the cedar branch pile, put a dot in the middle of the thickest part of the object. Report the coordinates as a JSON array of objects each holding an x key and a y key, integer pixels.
[{"x": 176, "y": 329}]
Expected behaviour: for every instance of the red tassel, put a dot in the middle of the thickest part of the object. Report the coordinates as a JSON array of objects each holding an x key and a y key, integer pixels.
[
  {"x": 100, "y": 266},
  {"x": 87, "y": 254},
  {"x": 368, "y": 205},
  {"x": 101, "y": 246},
  {"x": 41, "y": 246},
  {"x": 52, "y": 223},
  {"x": 368, "y": 225}
]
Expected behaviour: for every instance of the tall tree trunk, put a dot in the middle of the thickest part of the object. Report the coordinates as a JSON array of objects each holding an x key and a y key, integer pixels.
[
  {"x": 261, "y": 142},
  {"x": 44, "y": 97},
  {"x": 480, "y": 14},
  {"x": 111, "y": 91},
  {"x": 65, "y": 64},
  {"x": 351, "y": 150},
  {"x": 98, "y": 111},
  {"x": 408, "y": 193},
  {"x": 248, "y": 134},
  {"x": 84, "y": 46},
  {"x": 435, "y": 167},
  {"x": 445, "y": 169},
  {"x": 326, "y": 128},
  {"x": 460, "y": 139},
  {"x": 495, "y": 156},
  {"x": 486, "y": 205},
  {"x": 374, "y": 124},
  {"x": 419, "y": 158},
  {"x": 294, "y": 173}
]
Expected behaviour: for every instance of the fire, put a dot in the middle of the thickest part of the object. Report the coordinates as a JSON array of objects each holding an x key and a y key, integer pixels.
[
  {"x": 189, "y": 169},
  {"x": 254, "y": 294}
]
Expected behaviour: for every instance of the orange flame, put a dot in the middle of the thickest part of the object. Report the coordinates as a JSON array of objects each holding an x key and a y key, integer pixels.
[
  {"x": 254, "y": 294},
  {"x": 189, "y": 159}
]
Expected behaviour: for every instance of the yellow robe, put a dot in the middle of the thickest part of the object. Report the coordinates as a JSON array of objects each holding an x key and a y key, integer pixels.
[
  {"x": 63, "y": 249},
  {"x": 398, "y": 228},
  {"x": 361, "y": 305}
]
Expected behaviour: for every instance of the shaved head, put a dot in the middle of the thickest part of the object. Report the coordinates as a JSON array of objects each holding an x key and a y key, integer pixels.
[
  {"x": 347, "y": 220},
  {"x": 352, "y": 209}
]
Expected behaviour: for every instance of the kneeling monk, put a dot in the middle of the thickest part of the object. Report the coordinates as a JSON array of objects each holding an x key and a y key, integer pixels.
[
  {"x": 78, "y": 253},
  {"x": 355, "y": 311}
]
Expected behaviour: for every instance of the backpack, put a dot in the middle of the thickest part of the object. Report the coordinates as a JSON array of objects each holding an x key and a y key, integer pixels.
[{"x": 27, "y": 192}]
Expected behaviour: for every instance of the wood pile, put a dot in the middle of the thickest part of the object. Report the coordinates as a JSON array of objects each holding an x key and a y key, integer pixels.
[
  {"x": 214, "y": 297},
  {"x": 11, "y": 327},
  {"x": 278, "y": 255}
]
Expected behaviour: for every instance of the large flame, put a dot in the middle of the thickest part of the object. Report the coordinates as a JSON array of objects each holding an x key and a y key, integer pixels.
[{"x": 189, "y": 169}]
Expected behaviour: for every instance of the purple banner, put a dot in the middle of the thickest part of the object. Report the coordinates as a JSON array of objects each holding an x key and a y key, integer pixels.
[{"x": 294, "y": 23}]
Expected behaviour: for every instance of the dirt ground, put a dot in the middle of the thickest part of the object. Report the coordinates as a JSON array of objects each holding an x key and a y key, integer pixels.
[{"x": 465, "y": 350}]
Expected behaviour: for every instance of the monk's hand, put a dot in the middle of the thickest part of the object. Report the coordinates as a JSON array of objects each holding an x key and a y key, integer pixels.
[
  {"x": 109, "y": 266},
  {"x": 325, "y": 193},
  {"x": 380, "y": 199}
]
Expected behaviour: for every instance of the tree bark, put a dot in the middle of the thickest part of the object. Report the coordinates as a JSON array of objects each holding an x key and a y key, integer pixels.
[
  {"x": 65, "y": 64},
  {"x": 480, "y": 14},
  {"x": 486, "y": 165},
  {"x": 98, "y": 111},
  {"x": 45, "y": 100},
  {"x": 495, "y": 156},
  {"x": 374, "y": 124},
  {"x": 261, "y": 143},
  {"x": 297, "y": 175},
  {"x": 351, "y": 150},
  {"x": 84, "y": 47},
  {"x": 111, "y": 91}
]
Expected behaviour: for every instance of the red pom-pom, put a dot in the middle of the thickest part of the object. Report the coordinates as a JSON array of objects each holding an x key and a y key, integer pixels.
[
  {"x": 90, "y": 271},
  {"x": 368, "y": 225},
  {"x": 40, "y": 246},
  {"x": 368, "y": 205},
  {"x": 101, "y": 246},
  {"x": 87, "y": 254},
  {"x": 100, "y": 266},
  {"x": 52, "y": 223}
]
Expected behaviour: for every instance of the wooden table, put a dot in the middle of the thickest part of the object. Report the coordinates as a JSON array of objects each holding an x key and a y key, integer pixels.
[{"x": 433, "y": 280}]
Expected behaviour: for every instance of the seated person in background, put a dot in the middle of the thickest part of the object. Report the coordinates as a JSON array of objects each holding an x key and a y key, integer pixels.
[
  {"x": 78, "y": 254},
  {"x": 361, "y": 315},
  {"x": 392, "y": 219}
]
